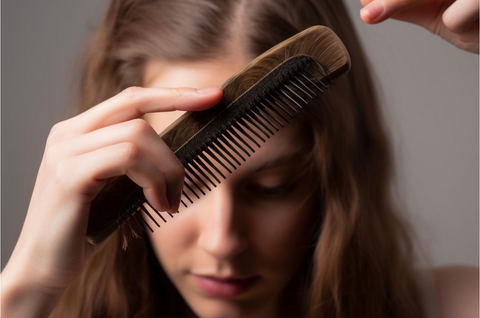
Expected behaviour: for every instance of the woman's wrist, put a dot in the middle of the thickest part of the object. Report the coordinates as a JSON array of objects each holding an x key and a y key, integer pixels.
[{"x": 23, "y": 297}]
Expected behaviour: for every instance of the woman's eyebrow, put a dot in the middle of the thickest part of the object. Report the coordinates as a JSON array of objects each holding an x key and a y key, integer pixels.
[{"x": 283, "y": 160}]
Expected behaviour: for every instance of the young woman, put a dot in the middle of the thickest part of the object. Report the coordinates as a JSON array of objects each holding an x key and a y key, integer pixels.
[{"x": 304, "y": 228}]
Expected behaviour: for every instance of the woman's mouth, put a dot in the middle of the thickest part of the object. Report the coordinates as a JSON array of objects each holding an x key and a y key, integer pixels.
[{"x": 224, "y": 286}]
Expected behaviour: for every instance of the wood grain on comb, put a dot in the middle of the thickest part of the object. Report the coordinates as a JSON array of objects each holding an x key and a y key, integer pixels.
[
  {"x": 255, "y": 90},
  {"x": 318, "y": 42}
]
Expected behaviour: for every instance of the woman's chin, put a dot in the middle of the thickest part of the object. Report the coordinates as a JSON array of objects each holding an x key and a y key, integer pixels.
[
  {"x": 208, "y": 306},
  {"x": 220, "y": 308}
]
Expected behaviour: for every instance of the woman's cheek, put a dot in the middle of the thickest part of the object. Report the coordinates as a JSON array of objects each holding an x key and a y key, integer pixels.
[
  {"x": 174, "y": 242},
  {"x": 280, "y": 234}
]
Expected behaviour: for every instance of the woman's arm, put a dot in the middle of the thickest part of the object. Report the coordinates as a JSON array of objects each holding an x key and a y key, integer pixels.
[
  {"x": 81, "y": 153},
  {"x": 22, "y": 297},
  {"x": 457, "y": 291}
]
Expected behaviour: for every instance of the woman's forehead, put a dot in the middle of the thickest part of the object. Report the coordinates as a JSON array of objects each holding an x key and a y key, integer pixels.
[{"x": 195, "y": 74}]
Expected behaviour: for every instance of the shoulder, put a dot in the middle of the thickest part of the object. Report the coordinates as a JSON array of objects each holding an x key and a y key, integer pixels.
[{"x": 457, "y": 291}]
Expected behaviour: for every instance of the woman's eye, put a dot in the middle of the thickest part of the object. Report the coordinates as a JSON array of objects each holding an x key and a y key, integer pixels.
[{"x": 270, "y": 192}]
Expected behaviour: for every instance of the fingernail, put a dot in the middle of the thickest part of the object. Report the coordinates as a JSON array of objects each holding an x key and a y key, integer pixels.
[
  {"x": 373, "y": 10},
  {"x": 207, "y": 90},
  {"x": 176, "y": 202},
  {"x": 166, "y": 205}
]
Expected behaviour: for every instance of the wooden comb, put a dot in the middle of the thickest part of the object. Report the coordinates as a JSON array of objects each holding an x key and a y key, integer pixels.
[{"x": 257, "y": 101}]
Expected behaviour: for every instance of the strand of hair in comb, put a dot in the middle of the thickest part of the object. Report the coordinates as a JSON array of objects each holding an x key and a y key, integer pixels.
[{"x": 257, "y": 102}]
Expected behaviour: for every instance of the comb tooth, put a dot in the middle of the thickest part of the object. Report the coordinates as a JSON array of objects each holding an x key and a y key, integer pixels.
[
  {"x": 196, "y": 167},
  {"x": 157, "y": 212},
  {"x": 149, "y": 215},
  {"x": 220, "y": 145},
  {"x": 141, "y": 227},
  {"x": 316, "y": 86},
  {"x": 200, "y": 162},
  {"x": 240, "y": 129},
  {"x": 308, "y": 88},
  {"x": 250, "y": 120},
  {"x": 244, "y": 124},
  {"x": 191, "y": 190},
  {"x": 273, "y": 103},
  {"x": 233, "y": 132},
  {"x": 214, "y": 148},
  {"x": 229, "y": 136},
  {"x": 184, "y": 204},
  {"x": 263, "y": 107},
  {"x": 276, "y": 95},
  {"x": 217, "y": 160},
  {"x": 254, "y": 117},
  {"x": 186, "y": 196},
  {"x": 298, "y": 96},
  {"x": 253, "y": 114},
  {"x": 290, "y": 98},
  {"x": 139, "y": 216},
  {"x": 300, "y": 89},
  {"x": 212, "y": 165},
  {"x": 204, "y": 167},
  {"x": 229, "y": 145},
  {"x": 309, "y": 73},
  {"x": 189, "y": 169},
  {"x": 148, "y": 203},
  {"x": 326, "y": 74},
  {"x": 257, "y": 110},
  {"x": 194, "y": 183}
]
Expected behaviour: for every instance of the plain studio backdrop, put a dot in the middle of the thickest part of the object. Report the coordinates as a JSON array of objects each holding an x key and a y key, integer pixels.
[{"x": 429, "y": 91}]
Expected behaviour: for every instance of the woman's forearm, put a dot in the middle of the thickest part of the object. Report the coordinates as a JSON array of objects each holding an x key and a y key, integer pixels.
[{"x": 22, "y": 298}]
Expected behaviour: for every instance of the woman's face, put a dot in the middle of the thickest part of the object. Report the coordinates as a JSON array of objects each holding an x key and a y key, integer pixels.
[{"x": 233, "y": 252}]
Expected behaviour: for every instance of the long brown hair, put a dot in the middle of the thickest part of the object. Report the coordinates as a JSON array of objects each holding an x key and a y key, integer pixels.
[{"x": 361, "y": 264}]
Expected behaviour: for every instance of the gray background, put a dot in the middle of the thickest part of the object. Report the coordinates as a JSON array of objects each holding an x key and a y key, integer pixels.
[{"x": 430, "y": 95}]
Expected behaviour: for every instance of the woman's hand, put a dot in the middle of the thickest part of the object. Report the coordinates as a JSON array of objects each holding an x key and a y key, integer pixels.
[
  {"x": 455, "y": 21},
  {"x": 108, "y": 140}
]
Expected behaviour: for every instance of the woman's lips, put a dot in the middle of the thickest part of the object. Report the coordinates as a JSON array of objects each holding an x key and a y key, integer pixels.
[{"x": 224, "y": 286}]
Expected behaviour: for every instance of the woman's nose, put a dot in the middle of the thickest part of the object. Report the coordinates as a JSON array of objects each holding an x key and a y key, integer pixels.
[{"x": 221, "y": 233}]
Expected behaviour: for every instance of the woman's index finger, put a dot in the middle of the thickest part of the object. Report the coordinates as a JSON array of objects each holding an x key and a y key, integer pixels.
[
  {"x": 376, "y": 11},
  {"x": 135, "y": 102}
]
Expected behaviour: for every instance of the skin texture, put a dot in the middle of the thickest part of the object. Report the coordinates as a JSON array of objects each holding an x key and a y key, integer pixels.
[
  {"x": 454, "y": 21},
  {"x": 236, "y": 229},
  {"x": 457, "y": 291}
]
